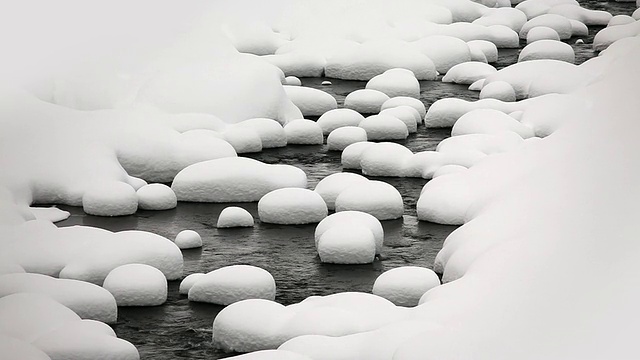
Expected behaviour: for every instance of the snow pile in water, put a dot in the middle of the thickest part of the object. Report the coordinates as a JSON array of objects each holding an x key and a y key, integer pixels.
[
  {"x": 347, "y": 244},
  {"x": 270, "y": 131},
  {"x": 547, "y": 49},
  {"x": 331, "y": 186},
  {"x": 188, "y": 239},
  {"x": 408, "y": 115},
  {"x": 187, "y": 283},
  {"x": 32, "y": 324},
  {"x": 303, "y": 132},
  {"x": 404, "y": 286},
  {"x": 234, "y": 216},
  {"x": 489, "y": 121},
  {"x": 499, "y": 90},
  {"x": 234, "y": 180},
  {"x": 310, "y": 101},
  {"x": 137, "y": 285},
  {"x": 366, "y": 101},
  {"x": 542, "y": 33},
  {"x": 111, "y": 198},
  {"x": 445, "y": 51},
  {"x": 405, "y": 101},
  {"x": 384, "y": 127},
  {"x": 234, "y": 283},
  {"x": 87, "y": 300},
  {"x": 292, "y": 206},
  {"x": 156, "y": 197},
  {"x": 396, "y": 82},
  {"x": 468, "y": 72},
  {"x": 347, "y": 218},
  {"x": 559, "y": 23},
  {"x": 345, "y": 136},
  {"x": 386, "y": 205},
  {"x": 337, "y": 118}
]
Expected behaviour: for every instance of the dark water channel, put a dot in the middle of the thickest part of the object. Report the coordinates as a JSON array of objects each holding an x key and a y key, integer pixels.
[{"x": 182, "y": 329}]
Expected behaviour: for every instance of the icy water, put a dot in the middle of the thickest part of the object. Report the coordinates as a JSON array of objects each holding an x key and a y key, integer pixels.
[{"x": 180, "y": 329}]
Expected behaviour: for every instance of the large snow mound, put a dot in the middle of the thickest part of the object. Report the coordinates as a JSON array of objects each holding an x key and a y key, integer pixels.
[
  {"x": 292, "y": 206},
  {"x": 386, "y": 205},
  {"x": 347, "y": 218},
  {"x": 234, "y": 283},
  {"x": 310, "y": 101},
  {"x": 347, "y": 244},
  {"x": 234, "y": 180},
  {"x": 137, "y": 285},
  {"x": 405, "y": 285}
]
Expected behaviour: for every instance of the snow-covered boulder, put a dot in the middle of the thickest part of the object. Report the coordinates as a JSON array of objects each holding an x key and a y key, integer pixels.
[
  {"x": 234, "y": 283},
  {"x": 188, "y": 239},
  {"x": 234, "y": 216},
  {"x": 573, "y": 11},
  {"x": 385, "y": 159},
  {"x": 270, "y": 131},
  {"x": 292, "y": 81},
  {"x": 499, "y": 90},
  {"x": 365, "y": 101},
  {"x": 384, "y": 127},
  {"x": 137, "y": 285},
  {"x": 298, "y": 63},
  {"x": 489, "y": 121},
  {"x": 408, "y": 115},
  {"x": 344, "y": 136},
  {"x": 405, "y": 100},
  {"x": 156, "y": 197},
  {"x": 334, "y": 119},
  {"x": 477, "y": 85},
  {"x": 396, "y": 82},
  {"x": 542, "y": 33},
  {"x": 352, "y": 154},
  {"x": 303, "y": 132},
  {"x": 234, "y": 180},
  {"x": 547, "y": 49},
  {"x": 385, "y": 205},
  {"x": 444, "y": 51},
  {"x": 330, "y": 187},
  {"x": 310, "y": 101},
  {"x": 507, "y": 16},
  {"x": 609, "y": 35},
  {"x": 468, "y": 72},
  {"x": 489, "y": 49},
  {"x": 112, "y": 198},
  {"x": 88, "y": 300},
  {"x": 243, "y": 140},
  {"x": 405, "y": 285},
  {"x": 292, "y": 206},
  {"x": 347, "y": 244},
  {"x": 187, "y": 283},
  {"x": 350, "y": 218},
  {"x": 559, "y": 23}
]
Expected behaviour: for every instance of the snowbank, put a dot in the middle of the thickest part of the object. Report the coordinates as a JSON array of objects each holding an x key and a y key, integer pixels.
[
  {"x": 137, "y": 285},
  {"x": 405, "y": 285},
  {"x": 234, "y": 216},
  {"x": 234, "y": 283},
  {"x": 605, "y": 37},
  {"x": 291, "y": 206}
]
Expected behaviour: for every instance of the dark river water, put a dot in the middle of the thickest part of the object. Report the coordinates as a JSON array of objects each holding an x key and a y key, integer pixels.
[{"x": 180, "y": 329}]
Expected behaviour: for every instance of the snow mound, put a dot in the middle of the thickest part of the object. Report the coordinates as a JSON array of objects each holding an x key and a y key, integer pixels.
[
  {"x": 385, "y": 205},
  {"x": 337, "y": 118},
  {"x": 559, "y": 23},
  {"x": 156, "y": 197},
  {"x": 291, "y": 206},
  {"x": 234, "y": 180},
  {"x": 347, "y": 244},
  {"x": 448, "y": 169},
  {"x": 607, "y": 36},
  {"x": 303, "y": 132},
  {"x": 330, "y": 187},
  {"x": 385, "y": 159},
  {"x": 396, "y": 82},
  {"x": 548, "y": 49},
  {"x": 243, "y": 140},
  {"x": 404, "y": 286},
  {"x": 137, "y": 285},
  {"x": 18, "y": 349},
  {"x": 52, "y": 214},
  {"x": 408, "y": 115},
  {"x": 292, "y": 81},
  {"x": 234, "y": 216},
  {"x": 489, "y": 49},
  {"x": 345, "y": 136},
  {"x": 384, "y": 127},
  {"x": 271, "y": 355},
  {"x": 350, "y": 218},
  {"x": 234, "y": 283},
  {"x": 187, "y": 283},
  {"x": 270, "y": 131},
  {"x": 444, "y": 51},
  {"x": 507, "y": 16},
  {"x": 468, "y": 72},
  {"x": 489, "y": 121},
  {"x": 587, "y": 16},
  {"x": 112, "y": 198},
  {"x": 88, "y": 300},
  {"x": 405, "y": 101},
  {"x": 365, "y": 101},
  {"x": 310, "y": 101},
  {"x": 499, "y": 90},
  {"x": 188, "y": 239},
  {"x": 542, "y": 33},
  {"x": 352, "y": 154},
  {"x": 298, "y": 64}
]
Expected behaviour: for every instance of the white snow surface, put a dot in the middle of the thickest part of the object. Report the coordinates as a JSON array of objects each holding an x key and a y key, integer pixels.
[
  {"x": 347, "y": 244},
  {"x": 271, "y": 355},
  {"x": 405, "y": 101},
  {"x": 547, "y": 49},
  {"x": 270, "y": 131},
  {"x": 234, "y": 216},
  {"x": 310, "y": 101},
  {"x": 331, "y": 186},
  {"x": 111, "y": 198},
  {"x": 396, "y": 82},
  {"x": 344, "y": 136},
  {"x": 489, "y": 121},
  {"x": 137, "y": 285},
  {"x": 233, "y": 283},
  {"x": 292, "y": 206},
  {"x": 444, "y": 51},
  {"x": 187, "y": 283},
  {"x": 352, "y": 154},
  {"x": 156, "y": 197},
  {"x": 386, "y": 205},
  {"x": 405, "y": 285},
  {"x": 188, "y": 239},
  {"x": 346, "y": 218},
  {"x": 468, "y": 72},
  {"x": 366, "y": 101},
  {"x": 542, "y": 33},
  {"x": 559, "y": 23},
  {"x": 334, "y": 119},
  {"x": 499, "y": 90},
  {"x": 384, "y": 127},
  {"x": 488, "y": 49},
  {"x": 303, "y": 132}
]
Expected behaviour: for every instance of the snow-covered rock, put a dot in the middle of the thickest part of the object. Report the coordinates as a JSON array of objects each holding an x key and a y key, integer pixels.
[
  {"x": 234, "y": 216},
  {"x": 292, "y": 206},
  {"x": 405, "y": 285},
  {"x": 352, "y": 154},
  {"x": 243, "y": 140},
  {"x": 609, "y": 35},
  {"x": 365, "y": 101},
  {"x": 187, "y": 283},
  {"x": 385, "y": 205},
  {"x": 396, "y": 82},
  {"x": 310, "y": 101},
  {"x": 270, "y": 131},
  {"x": 408, "y": 115},
  {"x": 547, "y": 49},
  {"x": 385, "y": 159},
  {"x": 303, "y": 132},
  {"x": 573, "y": 11},
  {"x": 444, "y": 51},
  {"x": 156, "y": 197},
  {"x": 292, "y": 81},
  {"x": 507, "y": 16},
  {"x": 137, "y": 285},
  {"x": 344, "y": 136},
  {"x": 88, "y": 300},
  {"x": 499, "y": 90},
  {"x": 334, "y": 119},
  {"x": 488, "y": 48},
  {"x": 384, "y": 127},
  {"x": 188, "y": 239},
  {"x": 298, "y": 64},
  {"x": 234, "y": 180},
  {"x": 542, "y": 33},
  {"x": 347, "y": 244},
  {"x": 234, "y": 283},
  {"x": 110, "y": 199},
  {"x": 559, "y": 23},
  {"x": 468, "y": 72},
  {"x": 331, "y": 186},
  {"x": 489, "y": 121},
  {"x": 405, "y": 100},
  {"x": 350, "y": 218}
]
